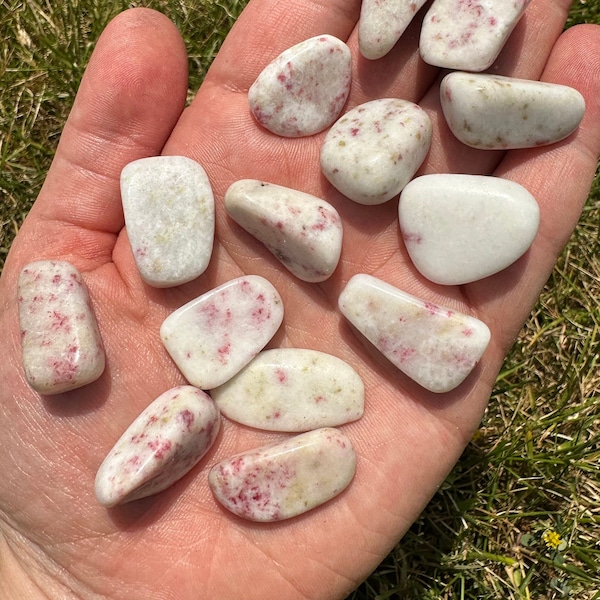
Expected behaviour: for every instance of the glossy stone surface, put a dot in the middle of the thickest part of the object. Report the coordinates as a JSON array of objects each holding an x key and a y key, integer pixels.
[
  {"x": 165, "y": 441},
  {"x": 216, "y": 335},
  {"x": 494, "y": 112},
  {"x": 382, "y": 23},
  {"x": 301, "y": 230},
  {"x": 468, "y": 35},
  {"x": 286, "y": 479},
  {"x": 461, "y": 228},
  {"x": 434, "y": 346},
  {"x": 374, "y": 150},
  {"x": 304, "y": 89},
  {"x": 61, "y": 344},
  {"x": 170, "y": 217},
  {"x": 293, "y": 389}
]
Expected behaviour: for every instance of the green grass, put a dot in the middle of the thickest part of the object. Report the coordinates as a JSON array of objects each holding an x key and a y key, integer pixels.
[{"x": 533, "y": 466}]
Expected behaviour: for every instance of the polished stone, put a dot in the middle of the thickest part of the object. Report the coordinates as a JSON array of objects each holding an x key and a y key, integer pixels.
[
  {"x": 293, "y": 389},
  {"x": 382, "y": 23},
  {"x": 304, "y": 89},
  {"x": 285, "y": 479},
  {"x": 216, "y": 335},
  {"x": 435, "y": 346},
  {"x": 468, "y": 35},
  {"x": 494, "y": 112},
  {"x": 61, "y": 344},
  {"x": 461, "y": 228},
  {"x": 374, "y": 150},
  {"x": 163, "y": 443},
  {"x": 301, "y": 230},
  {"x": 170, "y": 218}
]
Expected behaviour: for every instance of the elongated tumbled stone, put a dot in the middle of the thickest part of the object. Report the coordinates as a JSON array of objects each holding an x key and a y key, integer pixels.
[
  {"x": 302, "y": 231},
  {"x": 374, "y": 150},
  {"x": 159, "y": 447},
  {"x": 382, "y": 23},
  {"x": 304, "y": 89},
  {"x": 293, "y": 389},
  {"x": 434, "y": 346},
  {"x": 461, "y": 228},
  {"x": 494, "y": 112},
  {"x": 170, "y": 217},
  {"x": 62, "y": 349},
  {"x": 468, "y": 35},
  {"x": 286, "y": 479},
  {"x": 216, "y": 335}
]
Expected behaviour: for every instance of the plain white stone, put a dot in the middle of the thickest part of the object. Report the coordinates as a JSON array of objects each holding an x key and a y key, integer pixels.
[
  {"x": 494, "y": 112},
  {"x": 382, "y": 23},
  {"x": 293, "y": 389},
  {"x": 302, "y": 231},
  {"x": 468, "y": 35},
  {"x": 304, "y": 89},
  {"x": 374, "y": 150},
  {"x": 461, "y": 228},
  {"x": 216, "y": 335},
  {"x": 435, "y": 346},
  {"x": 169, "y": 213}
]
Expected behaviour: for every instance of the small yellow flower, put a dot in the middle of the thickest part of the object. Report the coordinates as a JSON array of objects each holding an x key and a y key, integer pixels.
[{"x": 552, "y": 539}]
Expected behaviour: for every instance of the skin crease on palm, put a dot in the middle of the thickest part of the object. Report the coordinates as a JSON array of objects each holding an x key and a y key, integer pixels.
[{"x": 58, "y": 542}]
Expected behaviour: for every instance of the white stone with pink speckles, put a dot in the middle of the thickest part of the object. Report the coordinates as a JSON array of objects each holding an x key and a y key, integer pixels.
[
  {"x": 216, "y": 335},
  {"x": 293, "y": 389},
  {"x": 163, "y": 443},
  {"x": 382, "y": 23},
  {"x": 434, "y": 346},
  {"x": 460, "y": 228},
  {"x": 304, "y": 89},
  {"x": 302, "y": 231},
  {"x": 374, "y": 150},
  {"x": 494, "y": 112},
  {"x": 170, "y": 217},
  {"x": 62, "y": 349},
  {"x": 286, "y": 479},
  {"x": 468, "y": 35}
]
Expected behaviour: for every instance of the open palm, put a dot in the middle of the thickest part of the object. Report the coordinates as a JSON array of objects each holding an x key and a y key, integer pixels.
[{"x": 57, "y": 540}]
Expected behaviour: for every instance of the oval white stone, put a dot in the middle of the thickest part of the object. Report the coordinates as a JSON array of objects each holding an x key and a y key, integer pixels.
[
  {"x": 293, "y": 389},
  {"x": 494, "y": 112},
  {"x": 302, "y": 231},
  {"x": 170, "y": 217},
  {"x": 461, "y": 228},
  {"x": 374, "y": 150},
  {"x": 467, "y": 35},
  {"x": 216, "y": 335},
  {"x": 434, "y": 346},
  {"x": 304, "y": 89},
  {"x": 287, "y": 479}
]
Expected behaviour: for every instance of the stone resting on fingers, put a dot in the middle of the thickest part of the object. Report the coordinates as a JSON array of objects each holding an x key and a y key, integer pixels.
[{"x": 58, "y": 540}]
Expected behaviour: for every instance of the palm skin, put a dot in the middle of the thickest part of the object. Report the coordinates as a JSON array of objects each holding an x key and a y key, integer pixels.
[{"x": 57, "y": 540}]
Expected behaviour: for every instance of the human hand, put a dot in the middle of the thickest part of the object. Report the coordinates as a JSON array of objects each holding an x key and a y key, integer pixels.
[{"x": 58, "y": 541}]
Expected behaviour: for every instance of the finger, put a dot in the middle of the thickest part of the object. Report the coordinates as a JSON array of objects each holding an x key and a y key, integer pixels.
[{"x": 129, "y": 100}]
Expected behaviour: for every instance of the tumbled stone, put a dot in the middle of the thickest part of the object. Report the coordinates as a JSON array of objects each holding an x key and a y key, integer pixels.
[
  {"x": 494, "y": 112},
  {"x": 302, "y": 231},
  {"x": 304, "y": 89},
  {"x": 170, "y": 218},
  {"x": 216, "y": 335},
  {"x": 374, "y": 150},
  {"x": 163, "y": 443},
  {"x": 293, "y": 389},
  {"x": 283, "y": 480},
  {"x": 461, "y": 228},
  {"x": 435, "y": 346},
  {"x": 61, "y": 344},
  {"x": 468, "y": 35},
  {"x": 382, "y": 23}
]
